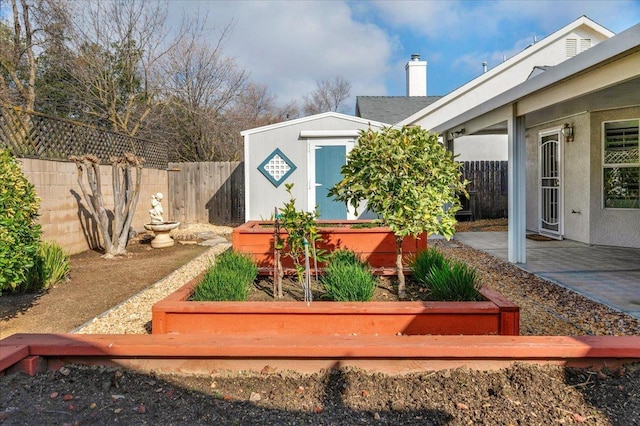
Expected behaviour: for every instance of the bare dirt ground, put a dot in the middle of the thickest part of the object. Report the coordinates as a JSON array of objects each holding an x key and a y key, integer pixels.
[
  {"x": 95, "y": 285},
  {"x": 520, "y": 395}
]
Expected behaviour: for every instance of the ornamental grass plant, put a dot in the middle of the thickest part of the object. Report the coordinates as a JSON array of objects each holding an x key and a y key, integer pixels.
[
  {"x": 229, "y": 279},
  {"x": 446, "y": 281},
  {"x": 348, "y": 279},
  {"x": 454, "y": 282},
  {"x": 50, "y": 266},
  {"x": 423, "y": 262}
]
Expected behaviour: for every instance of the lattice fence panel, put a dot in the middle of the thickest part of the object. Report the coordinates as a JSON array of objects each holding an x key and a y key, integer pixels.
[{"x": 40, "y": 136}]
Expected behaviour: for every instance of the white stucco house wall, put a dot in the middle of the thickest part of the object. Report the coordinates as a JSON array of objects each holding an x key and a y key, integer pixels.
[{"x": 307, "y": 152}]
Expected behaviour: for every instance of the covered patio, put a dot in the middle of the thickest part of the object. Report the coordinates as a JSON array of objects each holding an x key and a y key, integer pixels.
[
  {"x": 598, "y": 86},
  {"x": 607, "y": 275}
]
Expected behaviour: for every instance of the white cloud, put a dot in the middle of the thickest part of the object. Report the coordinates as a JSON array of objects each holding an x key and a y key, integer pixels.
[{"x": 290, "y": 45}]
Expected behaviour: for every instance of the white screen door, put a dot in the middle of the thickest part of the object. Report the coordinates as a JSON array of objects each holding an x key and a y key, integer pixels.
[{"x": 550, "y": 184}]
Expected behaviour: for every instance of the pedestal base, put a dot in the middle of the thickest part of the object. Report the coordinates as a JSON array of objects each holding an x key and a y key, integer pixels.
[
  {"x": 162, "y": 230},
  {"x": 162, "y": 240}
]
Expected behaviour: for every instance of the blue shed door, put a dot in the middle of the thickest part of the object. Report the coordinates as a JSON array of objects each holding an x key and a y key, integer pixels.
[{"x": 329, "y": 161}]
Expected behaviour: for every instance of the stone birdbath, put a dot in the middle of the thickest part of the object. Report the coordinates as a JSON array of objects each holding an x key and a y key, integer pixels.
[{"x": 158, "y": 225}]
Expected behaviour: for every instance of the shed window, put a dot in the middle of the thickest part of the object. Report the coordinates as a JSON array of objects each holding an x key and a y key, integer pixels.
[{"x": 621, "y": 164}]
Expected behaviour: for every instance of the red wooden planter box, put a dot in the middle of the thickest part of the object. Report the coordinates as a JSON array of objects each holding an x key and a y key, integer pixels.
[
  {"x": 175, "y": 314},
  {"x": 376, "y": 245}
]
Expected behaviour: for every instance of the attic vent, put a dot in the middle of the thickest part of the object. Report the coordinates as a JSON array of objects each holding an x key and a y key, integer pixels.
[{"x": 574, "y": 46}]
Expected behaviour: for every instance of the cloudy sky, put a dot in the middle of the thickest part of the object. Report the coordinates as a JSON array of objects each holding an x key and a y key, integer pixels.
[{"x": 289, "y": 45}]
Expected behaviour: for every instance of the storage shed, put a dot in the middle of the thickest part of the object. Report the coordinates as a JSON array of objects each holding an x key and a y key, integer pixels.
[{"x": 308, "y": 152}]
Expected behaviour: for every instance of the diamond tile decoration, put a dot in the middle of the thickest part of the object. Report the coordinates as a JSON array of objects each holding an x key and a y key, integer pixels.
[{"x": 276, "y": 167}]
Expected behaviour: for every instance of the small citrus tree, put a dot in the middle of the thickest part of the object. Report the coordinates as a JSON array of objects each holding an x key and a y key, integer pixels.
[{"x": 408, "y": 178}]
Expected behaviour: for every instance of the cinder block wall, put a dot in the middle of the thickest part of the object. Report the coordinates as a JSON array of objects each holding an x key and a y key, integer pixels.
[{"x": 63, "y": 211}]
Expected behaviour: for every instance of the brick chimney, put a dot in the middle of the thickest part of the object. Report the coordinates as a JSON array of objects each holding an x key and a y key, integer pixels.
[{"x": 416, "y": 76}]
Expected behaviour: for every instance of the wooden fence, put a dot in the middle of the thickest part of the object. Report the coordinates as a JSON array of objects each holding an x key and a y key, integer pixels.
[
  {"x": 207, "y": 192},
  {"x": 487, "y": 189},
  {"x": 213, "y": 192}
]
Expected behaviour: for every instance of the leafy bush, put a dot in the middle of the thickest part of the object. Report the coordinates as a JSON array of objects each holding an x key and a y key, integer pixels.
[
  {"x": 453, "y": 282},
  {"x": 422, "y": 264},
  {"x": 229, "y": 279},
  {"x": 19, "y": 231},
  {"x": 348, "y": 279},
  {"x": 50, "y": 266}
]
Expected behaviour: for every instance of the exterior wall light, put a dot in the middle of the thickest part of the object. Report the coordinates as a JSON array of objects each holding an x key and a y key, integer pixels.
[{"x": 567, "y": 132}]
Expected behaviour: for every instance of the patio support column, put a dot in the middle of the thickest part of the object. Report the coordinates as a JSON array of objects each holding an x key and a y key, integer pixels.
[{"x": 517, "y": 187}]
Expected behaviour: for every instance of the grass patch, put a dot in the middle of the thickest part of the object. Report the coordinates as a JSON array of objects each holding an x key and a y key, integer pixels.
[
  {"x": 422, "y": 263},
  {"x": 347, "y": 279},
  {"x": 446, "y": 281},
  {"x": 229, "y": 279},
  {"x": 454, "y": 282}
]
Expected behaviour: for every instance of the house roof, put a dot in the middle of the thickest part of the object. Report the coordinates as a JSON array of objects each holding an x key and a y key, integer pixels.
[
  {"x": 616, "y": 88},
  {"x": 312, "y": 118},
  {"x": 391, "y": 109},
  {"x": 468, "y": 90}
]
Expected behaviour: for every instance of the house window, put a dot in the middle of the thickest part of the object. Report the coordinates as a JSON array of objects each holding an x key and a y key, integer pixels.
[{"x": 621, "y": 164}]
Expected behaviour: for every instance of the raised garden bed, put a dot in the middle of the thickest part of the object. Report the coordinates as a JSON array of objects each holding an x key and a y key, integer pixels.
[
  {"x": 375, "y": 244},
  {"x": 176, "y": 314}
]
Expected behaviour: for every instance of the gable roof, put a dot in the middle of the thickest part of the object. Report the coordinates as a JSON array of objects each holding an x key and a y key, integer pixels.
[
  {"x": 624, "y": 87},
  {"x": 449, "y": 104},
  {"x": 310, "y": 118},
  {"x": 391, "y": 109}
]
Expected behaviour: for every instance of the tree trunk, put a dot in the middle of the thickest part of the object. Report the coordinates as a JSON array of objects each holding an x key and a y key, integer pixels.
[
  {"x": 402, "y": 293},
  {"x": 125, "y": 198},
  {"x": 129, "y": 194}
]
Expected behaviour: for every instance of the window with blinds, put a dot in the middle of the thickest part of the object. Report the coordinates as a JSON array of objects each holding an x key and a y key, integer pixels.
[{"x": 621, "y": 164}]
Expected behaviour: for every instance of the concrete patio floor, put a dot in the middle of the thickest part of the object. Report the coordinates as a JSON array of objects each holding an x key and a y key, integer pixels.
[{"x": 608, "y": 275}]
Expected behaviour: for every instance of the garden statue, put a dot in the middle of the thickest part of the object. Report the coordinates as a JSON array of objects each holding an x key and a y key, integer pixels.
[
  {"x": 158, "y": 225},
  {"x": 156, "y": 208}
]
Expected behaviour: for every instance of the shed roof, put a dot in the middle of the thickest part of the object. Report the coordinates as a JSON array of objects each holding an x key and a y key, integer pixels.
[{"x": 311, "y": 118}]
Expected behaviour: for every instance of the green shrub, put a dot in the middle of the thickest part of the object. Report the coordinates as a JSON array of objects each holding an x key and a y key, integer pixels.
[
  {"x": 348, "y": 279},
  {"x": 229, "y": 279},
  {"x": 19, "y": 231},
  {"x": 453, "y": 282},
  {"x": 50, "y": 266},
  {"x": 423, "y": 262}
]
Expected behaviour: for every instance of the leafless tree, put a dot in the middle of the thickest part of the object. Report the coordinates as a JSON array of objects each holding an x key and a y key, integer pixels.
[
  {"x": 212, "y": 102},
  {"x": 119, "y": 47},
  {"x": 328, "y": 96},
  {"x": 204, "y": 85},
  {"x": 34, "y": 26}
]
